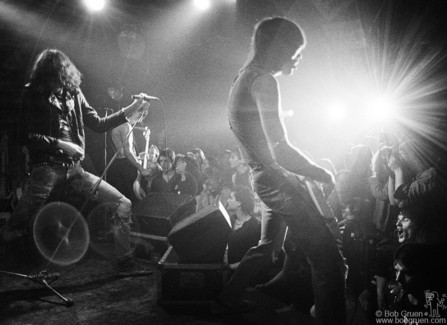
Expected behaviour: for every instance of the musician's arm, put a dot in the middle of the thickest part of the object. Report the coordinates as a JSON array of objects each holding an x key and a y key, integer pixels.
[{"x": 265, "y": 93}]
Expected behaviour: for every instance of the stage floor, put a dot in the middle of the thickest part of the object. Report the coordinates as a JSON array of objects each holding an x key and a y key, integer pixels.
[{"x": 100, "y": 297}]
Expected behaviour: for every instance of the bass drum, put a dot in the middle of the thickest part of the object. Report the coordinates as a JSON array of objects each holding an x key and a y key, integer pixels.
[{"x": 61, "y": 234}]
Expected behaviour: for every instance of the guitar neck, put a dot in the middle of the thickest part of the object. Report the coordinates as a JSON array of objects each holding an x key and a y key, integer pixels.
[{"x": 146, "y": 151}]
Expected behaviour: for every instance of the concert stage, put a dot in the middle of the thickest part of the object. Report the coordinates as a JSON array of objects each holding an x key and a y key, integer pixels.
[{"x": 100, "y": 297}]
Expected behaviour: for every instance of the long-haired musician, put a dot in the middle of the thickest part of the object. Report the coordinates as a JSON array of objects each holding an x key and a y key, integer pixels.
[{"x": 54, "y": 113}]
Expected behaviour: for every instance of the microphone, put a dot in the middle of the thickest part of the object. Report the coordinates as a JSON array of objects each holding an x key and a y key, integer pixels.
[{"x": 145, "y": 97}]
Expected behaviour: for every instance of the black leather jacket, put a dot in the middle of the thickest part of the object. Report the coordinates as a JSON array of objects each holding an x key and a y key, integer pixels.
[{"x": 41, "y": 120}]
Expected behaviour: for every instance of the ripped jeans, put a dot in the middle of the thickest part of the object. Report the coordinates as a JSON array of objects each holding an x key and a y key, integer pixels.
[{"x": 39, "y": 186}]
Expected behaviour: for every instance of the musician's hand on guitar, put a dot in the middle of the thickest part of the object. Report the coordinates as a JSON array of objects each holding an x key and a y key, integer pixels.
[
  {"x": 142, "y": 156},
  {"x": 71, "y": 149},
  {"x": 145, "y": 107},
  {"x": 146, "y": 172}
]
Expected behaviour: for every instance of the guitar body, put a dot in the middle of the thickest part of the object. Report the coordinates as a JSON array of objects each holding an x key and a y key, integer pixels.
[
  {"x": 323, "y": 207},
  {"x": 318, "y": 199},
  {"x": 138, "y": 187}
]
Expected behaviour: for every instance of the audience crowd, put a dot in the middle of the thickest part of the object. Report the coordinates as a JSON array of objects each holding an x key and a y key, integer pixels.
[{"x": 390, "y": 207}]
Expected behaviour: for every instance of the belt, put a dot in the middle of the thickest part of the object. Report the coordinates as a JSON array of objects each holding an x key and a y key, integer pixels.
[{"x": 57, "y": 164}]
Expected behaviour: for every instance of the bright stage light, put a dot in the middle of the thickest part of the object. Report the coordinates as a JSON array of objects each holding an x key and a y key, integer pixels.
[
  {"x": 287, "y": 113},
  {"x": 95, "y": 5},
  {"x": 202, "y": 4},
  {"x": 337, "y": 112},
  {"x": 381, "y": 110}
]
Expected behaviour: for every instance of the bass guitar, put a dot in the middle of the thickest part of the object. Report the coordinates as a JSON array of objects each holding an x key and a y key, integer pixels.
[
  {"x": 318, "y": 200},
  {"x": 137, "y": 188}
]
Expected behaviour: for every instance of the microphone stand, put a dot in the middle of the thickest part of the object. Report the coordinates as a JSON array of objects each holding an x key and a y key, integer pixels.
[
  {"x": 44, "y": 279},
  {"x": 105, "y": 146},
  {"x": 105, "y": 162}
]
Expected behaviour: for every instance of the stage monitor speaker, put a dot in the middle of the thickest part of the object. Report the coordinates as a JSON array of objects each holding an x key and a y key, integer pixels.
[
  {"x": 202, "y": 237},
  {"x": 157, "y": 212}
]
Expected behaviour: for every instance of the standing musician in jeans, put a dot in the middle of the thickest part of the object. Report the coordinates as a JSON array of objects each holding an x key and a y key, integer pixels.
[
  {"x": 124, "y": 169},
  {"x": 254, "y": 106},
  {"x": 54, "y": 114}
]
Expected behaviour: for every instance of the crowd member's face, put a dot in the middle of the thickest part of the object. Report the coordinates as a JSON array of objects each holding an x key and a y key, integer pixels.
[
  {"x": 212, "y": 185},
  {"x": 205, "y": 165},
  {"x": 351, "y": 212},
  {"x": 198, "y": 158},
  {"x": 57, "y": 88},
  {"x": 225, "y": 160},
  {"x": 232, "y": 204},
  {"x": 165, "y": 163},
  {"x": 153, "y": 155},
  {"x": 234, "y": 160},
  {"x": 405, "y": 228},
  {"x": 180, "y": 166}
]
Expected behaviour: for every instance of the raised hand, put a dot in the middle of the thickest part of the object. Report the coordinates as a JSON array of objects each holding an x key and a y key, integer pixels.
[{"x": 136, "y": 105}]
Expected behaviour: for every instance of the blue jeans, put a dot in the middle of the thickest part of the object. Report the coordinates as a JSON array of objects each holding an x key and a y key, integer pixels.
[
  {"x": 44, "y": 178},
  {"x": 292, "y": 204}
]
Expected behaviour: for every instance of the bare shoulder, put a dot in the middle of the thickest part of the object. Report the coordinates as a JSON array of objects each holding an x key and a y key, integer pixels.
[
  {"x": 265, "y": 93},
  {"x": 265, "y": 89},
  {"x": 264, "y": 82}
]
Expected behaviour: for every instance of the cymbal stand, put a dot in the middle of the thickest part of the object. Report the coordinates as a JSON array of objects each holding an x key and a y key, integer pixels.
[{"x": 44, "y": 279}]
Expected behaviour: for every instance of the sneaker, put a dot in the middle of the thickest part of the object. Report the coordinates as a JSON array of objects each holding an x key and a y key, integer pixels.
[{"x": 133, "y": 269}]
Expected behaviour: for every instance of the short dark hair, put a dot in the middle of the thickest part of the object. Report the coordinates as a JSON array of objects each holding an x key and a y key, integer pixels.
[
  {"x": 200, "y": 153},
  {"x": 414, "y": 256},
  {"x": 274, "y": 39},
  {"x": 168, "y": 153}
]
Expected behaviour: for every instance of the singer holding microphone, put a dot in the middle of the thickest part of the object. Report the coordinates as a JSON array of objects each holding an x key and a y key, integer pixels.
[{"x": 54, "y": 112}]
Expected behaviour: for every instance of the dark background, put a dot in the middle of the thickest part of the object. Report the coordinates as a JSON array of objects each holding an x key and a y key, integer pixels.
[{"x": 189, "y": 59}]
